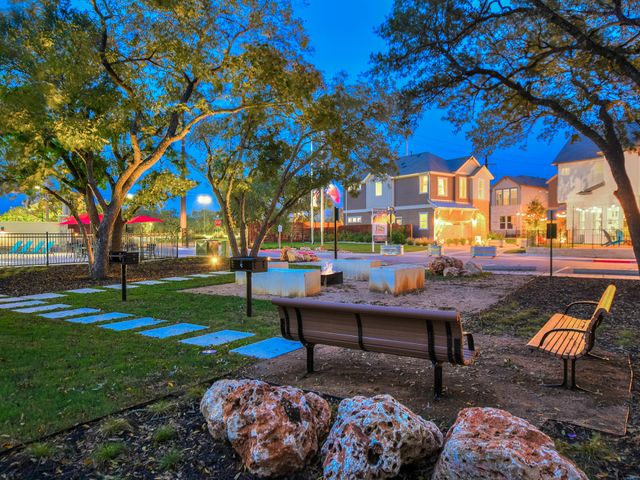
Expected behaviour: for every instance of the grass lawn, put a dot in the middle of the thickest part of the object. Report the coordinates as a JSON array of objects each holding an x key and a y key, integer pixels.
[
  {"x": 352, "y": 247},
  {"x": 54, "y": 374}
]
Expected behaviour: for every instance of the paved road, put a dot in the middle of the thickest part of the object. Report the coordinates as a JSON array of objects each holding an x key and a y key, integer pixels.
[{"x": 528, "y": 264}]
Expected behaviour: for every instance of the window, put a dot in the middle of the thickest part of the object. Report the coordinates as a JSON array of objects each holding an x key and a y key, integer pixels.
[
  {"x": 514, "y": 196},
  {"x": 565, "y": 171},
  {"x": 424, "y": 183},
  {"x": 505, "y": 222},
  {"x": 499, "y": 200},
  {"x": 423, "y": 219},
  {"x": 442, "y": 187},
  {"x": 398, "y": 220},
  {"x": 506, "y": 197},
  {"x": 378, "y": 189},
  {"x": 481, "y": 189},
  {"x": 463, "y": 187},
  {"x": 354, "y": 220}
]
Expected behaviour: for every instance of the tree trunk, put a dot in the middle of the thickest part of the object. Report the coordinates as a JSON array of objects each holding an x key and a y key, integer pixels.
[
  {"x": 626, "y": 197},
  {"x": 100, "y": 267},
  {"x": 116, "y": 236}
]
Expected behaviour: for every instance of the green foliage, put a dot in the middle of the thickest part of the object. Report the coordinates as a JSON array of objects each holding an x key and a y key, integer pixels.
[
  {"x": 41, "y": 450},
  {"x": 107, "y": 452},
  {"x": 155, "y": 190},
  {"x": 535, "y": 214},
  {"x": 590, "y": 454},
  {"x": 164, "y": 433},
  {"x": 115, "y": 426},
  {"x": 161, "y": 407},
  {"x": 170, "y": 460},
  {"x": 34, "y": 212}
]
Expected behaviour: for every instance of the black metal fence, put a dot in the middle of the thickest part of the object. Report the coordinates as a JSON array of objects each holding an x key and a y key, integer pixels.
[
  {"x": 569, "y": 238},
  {"x": 32, "y": 249}
]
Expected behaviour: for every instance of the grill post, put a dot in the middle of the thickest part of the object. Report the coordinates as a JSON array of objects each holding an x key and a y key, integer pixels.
[
  {"x": 309, "y": 347},
  {"x": 249, "y": 294},
  {"x": 437, "y": 380}
]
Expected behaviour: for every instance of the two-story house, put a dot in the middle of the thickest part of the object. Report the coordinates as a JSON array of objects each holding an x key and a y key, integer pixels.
[
  {"x": 440, "y": 198},
  {"x": 586, "y": 186},
  {"x": 510, "y": 198}
]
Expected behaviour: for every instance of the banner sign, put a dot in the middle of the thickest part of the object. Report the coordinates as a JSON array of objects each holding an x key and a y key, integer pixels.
[
  {"x": 379, "y": 224},
  {"x": 336, "y": 193}
]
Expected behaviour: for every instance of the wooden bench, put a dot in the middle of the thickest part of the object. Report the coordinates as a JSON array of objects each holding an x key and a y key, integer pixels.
[
  {"x": 570, "y": 338},
  {"x": 435, "y": 335}
]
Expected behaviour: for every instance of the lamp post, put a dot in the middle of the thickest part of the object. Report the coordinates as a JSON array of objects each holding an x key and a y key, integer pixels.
[{"x": 204, "y": 200}]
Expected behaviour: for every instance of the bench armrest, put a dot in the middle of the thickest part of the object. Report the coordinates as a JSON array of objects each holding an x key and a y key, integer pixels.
[
  {"x": 470, "y": 342},
  {"x": 577, "y": 330},
  {"x": 580, "y": 302}
]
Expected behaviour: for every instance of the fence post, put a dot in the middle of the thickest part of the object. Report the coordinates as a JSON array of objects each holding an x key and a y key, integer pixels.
[
  {"x": 177, "y": 243},
  {"x": 46, "y": 243}
]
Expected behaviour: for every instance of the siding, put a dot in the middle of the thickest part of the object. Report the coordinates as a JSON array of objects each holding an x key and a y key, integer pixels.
[
  {"x": 433, "y": 186},
  {"x": 357, "y": 200},
  {"x": 411, "y": 216},
  {"x": 407, "y": 192}
]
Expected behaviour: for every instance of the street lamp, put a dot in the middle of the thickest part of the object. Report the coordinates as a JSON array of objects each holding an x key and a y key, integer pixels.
[{"x": 204, "y": 200}]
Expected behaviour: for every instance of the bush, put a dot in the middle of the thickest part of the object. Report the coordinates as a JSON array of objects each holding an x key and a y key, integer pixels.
[
  {"x": 510, "y": 241},
  {"x": 398, "y": 237},
  {"x": 495, "y": 236}
]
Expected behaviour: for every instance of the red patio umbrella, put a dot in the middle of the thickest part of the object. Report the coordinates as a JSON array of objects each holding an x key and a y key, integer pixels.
[
  {"x": 84, "y": 218},
  {"x": 145, "y": 219}
]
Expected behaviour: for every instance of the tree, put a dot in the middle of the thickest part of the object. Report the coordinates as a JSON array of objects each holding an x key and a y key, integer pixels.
[
  {"x": 261, "y": 163},
  {"x": 505, "y": 68},
  {"x": 33, "y": 212},
  {"x": 534, "y": 214},
  {"x": 148, "y": 72}
]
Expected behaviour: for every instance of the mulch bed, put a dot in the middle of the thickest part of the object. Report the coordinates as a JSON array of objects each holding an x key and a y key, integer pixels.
[{"x": 32, "y": 280}]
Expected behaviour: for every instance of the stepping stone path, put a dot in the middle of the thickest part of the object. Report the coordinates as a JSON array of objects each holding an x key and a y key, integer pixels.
[
  {"x": 176, "y": 279},
  {"x": 269, "y": 348},
  {"x": 172, "y": 330},
  {"x": 102, "y": 317},
  {"x": 85, "y": 290},
  {"x": 216, "y": 338},
  {"x": 10, "y": 299},
  {"x": 19, "y": 304},
  {"x": 148, "y": 282},
  {"x": 69, "y": 313},
  {"x": 131, "y": 324},
  {"x": 202, "y": 275},
  {"x": 43, "y": 296},
  {"x": 42, "y": 308},
  {"x": 117, "y": 286}
]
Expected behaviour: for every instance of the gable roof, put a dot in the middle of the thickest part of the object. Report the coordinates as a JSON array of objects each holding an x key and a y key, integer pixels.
[
  {"x": 429, "y": 162},
  {"x": 581, "y": 149},
  {"x": 527, "y": 180}
]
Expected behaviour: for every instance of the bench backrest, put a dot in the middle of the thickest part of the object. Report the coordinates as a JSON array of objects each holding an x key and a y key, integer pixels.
[{"x": 431, "y": 334}]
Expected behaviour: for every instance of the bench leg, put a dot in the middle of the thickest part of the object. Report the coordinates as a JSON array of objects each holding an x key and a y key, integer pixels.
[
  {"x": 437, "y": 380},
  {"x": 574, "y": 385},
  {"x": 564, "y": 377},
  {"x": 309, "y": 357}
]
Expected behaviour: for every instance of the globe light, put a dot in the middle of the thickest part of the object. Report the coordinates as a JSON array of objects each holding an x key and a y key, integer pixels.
[{"x": 204, "y": 199}]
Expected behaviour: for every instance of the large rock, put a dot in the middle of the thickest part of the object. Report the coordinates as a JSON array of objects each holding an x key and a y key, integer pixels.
[
  {"x": 438, "y": 265},
  {"x": 489, "y": 443},
  {"x": 472, "y": 268},
  {"x": 451, "y": 272},
  {"x": 373, "y": 438},
  {"x": 275, "y": 430}
]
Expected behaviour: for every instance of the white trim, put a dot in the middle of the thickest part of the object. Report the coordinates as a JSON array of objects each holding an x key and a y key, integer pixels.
[
  {"x": 410, "y": 207},
  {"x": 357, "y": 210}
]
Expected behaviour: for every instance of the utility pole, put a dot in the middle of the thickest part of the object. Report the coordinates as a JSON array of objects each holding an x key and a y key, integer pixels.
[
  {"x": 311, "y": 224},
  {"x": 322, "y": 216}
]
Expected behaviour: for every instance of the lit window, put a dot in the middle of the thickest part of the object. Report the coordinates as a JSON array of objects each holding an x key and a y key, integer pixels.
[
  {"x": 564, "y": 171},
  {"x": 424, "y": 221},
  {"x": 506, "y": 196},
  {"x": 481, "y": 191},
  {"x": 499, "y": 200},
  {"x": 424, "y": 184},
  {"x": 378, "y": 189},
  {"x": 514, "y": 196},
  {"x": 398, "y": 220},
  {"x": 463, "y": 187},
  {"x": 354, "y": 220},
  {"x": 442, "y": 187}
]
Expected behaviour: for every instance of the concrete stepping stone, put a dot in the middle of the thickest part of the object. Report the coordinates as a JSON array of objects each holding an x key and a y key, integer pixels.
[
  {"x": 172, "y": 330},
  {"x": 201, "y": 275},
  {"x": 85, "y": 290},
  {"x": 29, "y": 303},
  {"x": 176, "y": 279},
  {"x": 10, "y": 299},
  {"x": 117, "y": 286},
  {"x": 269, "y": 348},
  {"x": 69, "y": 313},
  {"x": 217, "y": 338},
  {"x": 102, "y": 317},
  {"x": 43, "y": 296},
  {"x": 221, "y": 273},
  {"x": 131, "y": 324},
  {"x": 42, "y": 308},
  {"x": 147, "y": 282},
  {"x": 2, "y": 295}
]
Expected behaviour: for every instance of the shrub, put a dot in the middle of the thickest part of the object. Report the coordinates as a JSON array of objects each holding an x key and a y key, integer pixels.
[
  {"x": 41, "y": 451},
  {"x": 170, "y": 460},
  {"x": 107, "y": 452},
  {"x": 398, "y": 237},
  {"x": 115, "y": 426},
  {"x": 164, "y": 433},
  {"x": 510, "y": 241},
  {"x": 495, "y": 236}
]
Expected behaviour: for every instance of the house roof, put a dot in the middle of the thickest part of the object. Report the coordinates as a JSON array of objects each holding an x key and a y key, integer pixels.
[
  {"x": 429, "y": 162},
  {"x": 581, "y": 149},
  {"x": 526, "y": 180}
]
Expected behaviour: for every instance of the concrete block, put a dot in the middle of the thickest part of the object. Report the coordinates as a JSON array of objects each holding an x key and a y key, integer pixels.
[{"x": 396, "y": 279}]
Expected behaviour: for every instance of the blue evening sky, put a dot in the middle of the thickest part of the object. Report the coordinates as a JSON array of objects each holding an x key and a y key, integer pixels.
[{"x": 342, "y": 36}]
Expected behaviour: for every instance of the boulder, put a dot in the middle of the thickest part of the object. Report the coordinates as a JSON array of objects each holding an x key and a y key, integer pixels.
[
  {"x": 438, "y": 265},
  {"x": 451, "y": 272},
  {"x": 489, "y": 443},
  {"x": 472, "y": 268},
  {"x": 373, "y": 438},
  {"x": 275, "y": 430}
]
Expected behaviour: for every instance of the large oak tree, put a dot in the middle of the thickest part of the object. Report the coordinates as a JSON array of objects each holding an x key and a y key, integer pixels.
[
  {"x": 504, "y": 68},
  {"x": 112, "y": 89}
]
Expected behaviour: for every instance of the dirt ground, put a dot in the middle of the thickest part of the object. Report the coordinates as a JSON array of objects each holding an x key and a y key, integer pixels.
[
  {"x": 507, "y": 375},
  {"x": 471, "y": 294}
]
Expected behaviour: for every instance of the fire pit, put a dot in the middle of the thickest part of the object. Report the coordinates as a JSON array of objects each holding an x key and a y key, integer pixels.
[{"x": 328, "y": 276}]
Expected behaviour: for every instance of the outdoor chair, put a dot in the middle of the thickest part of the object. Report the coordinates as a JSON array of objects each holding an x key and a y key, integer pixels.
[
  {"x": 610, "y": 241},
  {"x": 16, "y": 247},
  {"x": 26, "y": 247},
  {"x": 571, "y": 338}
]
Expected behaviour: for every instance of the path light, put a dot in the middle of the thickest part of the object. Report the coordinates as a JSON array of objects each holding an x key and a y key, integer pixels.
[{"x": 215, "y": 260}]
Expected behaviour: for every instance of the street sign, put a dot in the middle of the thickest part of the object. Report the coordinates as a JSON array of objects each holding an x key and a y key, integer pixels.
[
  {"x": 552, "y": 230},
  {"x": 217, "y": 222},
  {"x": 279, "y": 228}
]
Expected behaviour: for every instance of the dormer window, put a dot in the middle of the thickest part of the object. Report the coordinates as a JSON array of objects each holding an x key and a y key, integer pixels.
[
  {"x": 442, "y": 187},
  {"x": 378, "y": 188},
  {"x": 462, "y": 182}
]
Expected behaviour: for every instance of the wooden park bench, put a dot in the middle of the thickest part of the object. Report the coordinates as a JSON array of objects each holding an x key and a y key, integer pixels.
[
  {"x": 435, "y": 335},
  {"x": 570, "y": 338}
]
